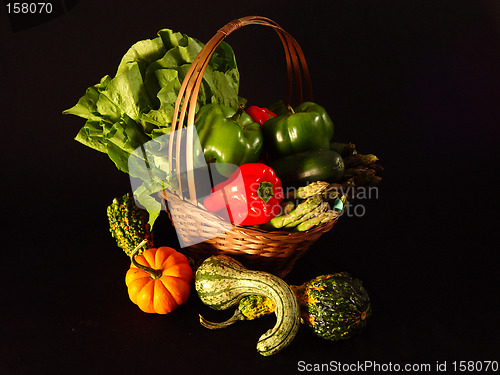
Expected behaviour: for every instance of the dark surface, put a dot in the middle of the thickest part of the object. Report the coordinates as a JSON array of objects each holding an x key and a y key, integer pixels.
[{"x": 414, "y": 82}]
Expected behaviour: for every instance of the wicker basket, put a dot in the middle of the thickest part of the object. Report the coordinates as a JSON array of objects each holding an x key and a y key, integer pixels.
[{"x": 271, "y": 251}]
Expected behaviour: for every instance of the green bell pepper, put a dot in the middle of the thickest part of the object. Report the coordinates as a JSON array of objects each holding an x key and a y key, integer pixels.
[
  {"x": 228, "y": 136},
  {"x": 308, "y": 127}
]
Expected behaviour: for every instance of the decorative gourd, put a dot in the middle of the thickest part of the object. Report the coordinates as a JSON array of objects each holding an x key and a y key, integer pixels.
[
  {"x": 333, "y": 306},
  {"x": 221, "y": 282},
  {"x": 159, "y": 280},
  {"x": 250, "y": 308},
  {"x": 128, "y": 224},
  {"x": 254, "y": 306}
]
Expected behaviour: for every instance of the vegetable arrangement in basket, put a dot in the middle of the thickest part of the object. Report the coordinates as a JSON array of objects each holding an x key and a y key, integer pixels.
[
  {"x": 140, "y": 103},
  {"x": 279, "y": 178}
]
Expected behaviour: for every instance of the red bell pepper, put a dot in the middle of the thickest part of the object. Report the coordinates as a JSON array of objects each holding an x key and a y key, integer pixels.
[
  {"x": 260, "y": 115},
  {"x": 252, "y": 195}
]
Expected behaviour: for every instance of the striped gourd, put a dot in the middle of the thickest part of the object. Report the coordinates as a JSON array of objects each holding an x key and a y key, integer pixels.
[
  {"x": 334, "y": 306},
  {"x": 221, "y": 282}
]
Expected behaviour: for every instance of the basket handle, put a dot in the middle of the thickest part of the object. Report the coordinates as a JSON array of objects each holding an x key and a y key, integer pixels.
[{"x": 185, "y": 105}]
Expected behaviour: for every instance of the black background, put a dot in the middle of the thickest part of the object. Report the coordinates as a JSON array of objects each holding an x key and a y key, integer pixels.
[{"x": 414, "y": 82}]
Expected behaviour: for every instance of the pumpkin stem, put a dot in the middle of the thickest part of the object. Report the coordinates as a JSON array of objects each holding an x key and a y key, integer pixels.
[
  {"x": 212, "y": 325},
  {"x": 155, "y": 274}
]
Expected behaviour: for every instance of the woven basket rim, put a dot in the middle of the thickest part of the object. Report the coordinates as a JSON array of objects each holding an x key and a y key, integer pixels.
[{"x": 165, "y": 194}]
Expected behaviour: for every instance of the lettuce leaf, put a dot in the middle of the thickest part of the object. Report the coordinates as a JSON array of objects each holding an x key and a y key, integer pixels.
[
  {"x": 137, "y": 104},
  {"x": 125, "y": 111}
]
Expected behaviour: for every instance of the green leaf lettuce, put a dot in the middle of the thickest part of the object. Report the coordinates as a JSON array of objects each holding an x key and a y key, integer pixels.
[{"x": 137, "y": 105}]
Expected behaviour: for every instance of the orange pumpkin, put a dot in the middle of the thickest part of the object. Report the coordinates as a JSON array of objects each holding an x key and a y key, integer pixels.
[{"x": 159, "y": 280}]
